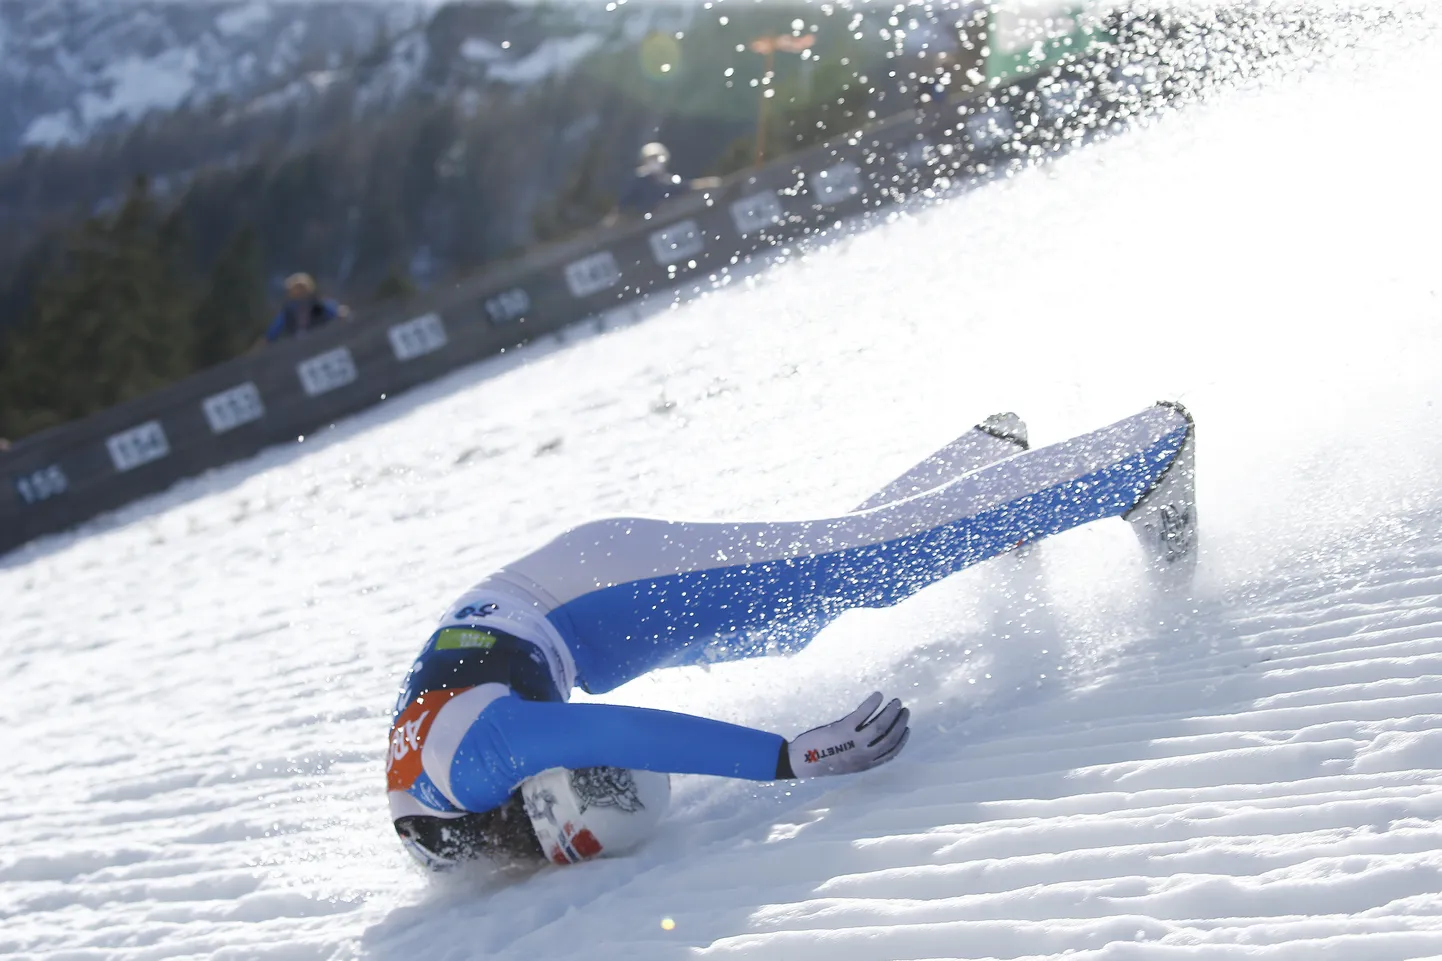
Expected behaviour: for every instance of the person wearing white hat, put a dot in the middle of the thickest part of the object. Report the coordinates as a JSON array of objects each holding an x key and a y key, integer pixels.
[
  {"x": 304, "y": 310},
  {"x": 653, "y": 183}
]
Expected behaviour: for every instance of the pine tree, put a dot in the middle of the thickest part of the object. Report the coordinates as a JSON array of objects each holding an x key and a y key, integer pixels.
[
  {"x": 109, "y": 322},
  {"x": 582, "y": 201},
  {"x": 395, "y": 285},
  {"x": 231, "y": 313}
]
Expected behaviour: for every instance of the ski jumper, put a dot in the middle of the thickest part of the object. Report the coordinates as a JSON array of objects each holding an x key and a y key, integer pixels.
[{"x": 485, "y": 704}]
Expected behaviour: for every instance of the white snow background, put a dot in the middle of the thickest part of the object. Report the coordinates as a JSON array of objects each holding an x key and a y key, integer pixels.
[{"x": 195, "y": 691}]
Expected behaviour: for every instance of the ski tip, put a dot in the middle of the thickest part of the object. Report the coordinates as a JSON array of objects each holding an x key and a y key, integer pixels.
[
  {"x": 1176, "y": 405},
  {"x": 1006, "y": 426},
  {"x": 1165, "y": 517}
]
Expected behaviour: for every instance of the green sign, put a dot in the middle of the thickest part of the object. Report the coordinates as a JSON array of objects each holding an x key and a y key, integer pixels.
[
  {"x": 463, "y": 639},
  {"x": 1024, "y": 39}
]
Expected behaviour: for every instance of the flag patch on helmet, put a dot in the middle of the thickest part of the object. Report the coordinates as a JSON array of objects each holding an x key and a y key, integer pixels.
[{"x": 574, "y": 845}]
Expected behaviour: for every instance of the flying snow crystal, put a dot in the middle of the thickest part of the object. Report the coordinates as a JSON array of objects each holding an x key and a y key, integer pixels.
[{"x": 268, "y": 610}]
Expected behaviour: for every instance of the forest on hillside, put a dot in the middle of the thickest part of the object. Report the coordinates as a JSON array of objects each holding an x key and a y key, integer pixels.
[{"x": 138, "y": 258}]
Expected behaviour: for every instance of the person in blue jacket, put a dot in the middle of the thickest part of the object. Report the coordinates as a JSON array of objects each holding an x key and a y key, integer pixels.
[
  {"x": 653, "y": 183},
  {"x": 487, "y": 757},
  {"x": 304, "y": 310}
]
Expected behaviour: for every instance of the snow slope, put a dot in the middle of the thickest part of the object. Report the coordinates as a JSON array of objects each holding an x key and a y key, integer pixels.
[{"x": 196, "y": 691}]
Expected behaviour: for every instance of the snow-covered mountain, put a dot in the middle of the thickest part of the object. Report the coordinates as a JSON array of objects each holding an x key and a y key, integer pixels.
[
  {"x": 195, "y": 691},
  {"x": 171, "y": 89},
  {"x": 73, "y": 68}
]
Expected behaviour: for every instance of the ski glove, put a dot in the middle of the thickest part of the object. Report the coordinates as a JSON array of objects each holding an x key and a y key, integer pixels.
[{"x": 856, "y": 742}]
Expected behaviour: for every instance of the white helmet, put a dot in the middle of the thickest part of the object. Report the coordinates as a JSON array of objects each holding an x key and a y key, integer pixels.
[
  {"x": 655, "y": 152},
  {"x": 594, "y": 811},
  {"x": 654, "y": 159}
]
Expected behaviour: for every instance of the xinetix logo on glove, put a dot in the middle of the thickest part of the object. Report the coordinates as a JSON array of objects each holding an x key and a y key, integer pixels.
[{"x": 813, "y": 756}]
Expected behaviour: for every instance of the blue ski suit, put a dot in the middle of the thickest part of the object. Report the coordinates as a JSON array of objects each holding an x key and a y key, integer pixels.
[{"x": 485, "y": 703}]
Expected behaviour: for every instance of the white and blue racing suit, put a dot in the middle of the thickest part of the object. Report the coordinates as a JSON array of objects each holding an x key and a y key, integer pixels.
[{"x": 485, "y": 704}]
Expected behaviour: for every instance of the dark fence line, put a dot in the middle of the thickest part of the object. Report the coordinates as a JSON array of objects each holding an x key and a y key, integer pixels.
[{"x": 65, "y": 475}]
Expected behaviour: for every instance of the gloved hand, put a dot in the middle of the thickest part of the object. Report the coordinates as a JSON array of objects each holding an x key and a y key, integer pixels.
[{"x": 856, "y": 742}]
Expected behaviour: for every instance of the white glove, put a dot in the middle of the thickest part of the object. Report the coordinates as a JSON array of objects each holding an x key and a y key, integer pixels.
[{"x": 856, "y": 742}]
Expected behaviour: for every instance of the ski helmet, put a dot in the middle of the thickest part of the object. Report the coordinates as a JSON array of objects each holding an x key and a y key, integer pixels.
[{"x": 590, "y": 811}]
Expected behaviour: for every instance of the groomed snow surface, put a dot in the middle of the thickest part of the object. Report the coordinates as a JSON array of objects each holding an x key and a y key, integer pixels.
[{"x": 195, "y": 692}]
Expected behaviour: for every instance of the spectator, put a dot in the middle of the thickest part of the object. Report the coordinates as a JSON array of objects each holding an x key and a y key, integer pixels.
[
  {"x": 933, "y": 79},
  {"x": 654, "y": 183},
  {"x": 933, "y": 53},
  {"x": 303, "y": 309}
]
